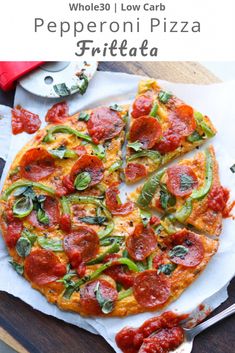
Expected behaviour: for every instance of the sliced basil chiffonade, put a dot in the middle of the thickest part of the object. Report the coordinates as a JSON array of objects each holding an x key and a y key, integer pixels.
[{"x": 185, "y": 211}]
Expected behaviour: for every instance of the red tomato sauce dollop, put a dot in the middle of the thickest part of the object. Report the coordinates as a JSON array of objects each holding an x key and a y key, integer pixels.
[{"x": 160, "y": 334}]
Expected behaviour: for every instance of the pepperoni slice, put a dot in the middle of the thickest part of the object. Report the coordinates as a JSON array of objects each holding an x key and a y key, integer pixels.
[
  {"x": 81, "y": 245},
  {"x": 142, "y": 106},
  {"x": 112, "y": 203},
  {"x": 13, "y": 232},
  {"x": 194, "y": 246},
  {"x": 88, "y": 299},
  {"x": 146, "y": 130},
  {"x": 181, "y": 180},
  {"x": 182, "y": 120},
  {"x": 135, "y": 172},
  {"x": 36, "y": 164},
  {"x": 51, "y": 207},
  {"x": 141, "y": 243},
  {"x": 104, "y": 124},
  {"x": 24, "y": 120},
  {"x": 58, "y": 113},
  {"x": 43, "y": 267},
  {"x": 151, "y": 289},
  {"x": 91, "y": 164},
  {"x": 169, "y": 142}
]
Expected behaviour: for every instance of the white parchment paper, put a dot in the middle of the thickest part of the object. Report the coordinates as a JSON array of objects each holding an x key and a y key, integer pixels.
[{"x": 106, "y": 88}]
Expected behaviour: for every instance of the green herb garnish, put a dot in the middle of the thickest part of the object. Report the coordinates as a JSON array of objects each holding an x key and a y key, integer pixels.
[{"x": 82, "y": 181}]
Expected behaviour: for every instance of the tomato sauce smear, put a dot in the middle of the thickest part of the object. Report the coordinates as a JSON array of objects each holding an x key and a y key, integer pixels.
[
  {"x": 160, "y": 334},
  {"x": 23, "y": 120},
  {"x": 218, "y": 201}
]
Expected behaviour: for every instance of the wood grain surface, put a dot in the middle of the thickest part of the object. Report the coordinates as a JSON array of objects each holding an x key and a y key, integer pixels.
[{"x": 39, "y": 333}]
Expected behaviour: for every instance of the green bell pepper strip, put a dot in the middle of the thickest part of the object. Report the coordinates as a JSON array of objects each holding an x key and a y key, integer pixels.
[
  {"x": 115, "y": 166},
  {"x": 76, "y": 286},
  {"x": 149, "y": 189},
  {"x": 64, "y": 129},
  {"x": 19, "y": 184},
  {"x": 119, "y": 239},
  {"x": 185, "y": 211},
  {"x": 203, "y": 191},
  {"x": 65, "y": 205},
  {"x": 114, "y": 248},
  {"x": 203, "y": 125},
  {"x": 187, "y": 208},
  {"x": 95, "y": 201},
  {"x": 70, "y": 154},
  {"x": 154, "y": 155},
  {"x": 125, "y": 293},
  {"x": 154, "y": 110},
  {"x": 150, "y": 261}
]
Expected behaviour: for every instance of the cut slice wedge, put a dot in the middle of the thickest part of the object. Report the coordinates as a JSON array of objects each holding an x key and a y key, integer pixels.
[{"x": 162, "y": 128}]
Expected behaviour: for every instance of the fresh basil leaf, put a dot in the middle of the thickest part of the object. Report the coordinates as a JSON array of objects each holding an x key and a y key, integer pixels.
[
  {"x": 166, "y": 198},
  {"x": 115, "y": 166},
  {"x": 42, "y": 216},
  {"x": 186, "y": 182},
  {"x": 145, "y": 216},
  {"x": 83, "y": 116},
  {"x": 58, "y": 152},
  {"x": 17, "y": 267},
  {"x": 136, "y": 146},
  {"x": 93, "y": 220},
  {"x": 178, "y": 251},
  {"x": 23, "y": 247},
  {"x": 167, "y": 269},
  {"x": 99, "y": 151},
  {"x": 194, "y": 137},
  {"x": 164, "y": 96},
  {"x": 84, "y": 85},
  {"x": 82, "y": 181},
  {"x": 61, "y": 89},
  {"x": 27, "y": 234},
  {"x": 116, "y": 108},
  {"x": 232, "y": 168},
  {"x": 53, "y": 244},
  {"x": 69, "y": 290},
  {"x": 30, "y": 193},
  {"x": 22, "y": 207},
  {"x": 106, "y": 305},
  {"x": 20, "y": 191},
  {"x": 41, "y": 198},
  {"x": 119, "y": 287},
  {"x": 67, "y": 279}
]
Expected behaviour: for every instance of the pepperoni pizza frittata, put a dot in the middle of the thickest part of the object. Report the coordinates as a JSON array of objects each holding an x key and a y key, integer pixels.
[{"x": 68, "y": 232}]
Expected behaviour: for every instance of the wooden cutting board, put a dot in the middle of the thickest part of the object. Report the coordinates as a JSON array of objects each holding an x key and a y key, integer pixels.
[{"x": 27, "y": 330}]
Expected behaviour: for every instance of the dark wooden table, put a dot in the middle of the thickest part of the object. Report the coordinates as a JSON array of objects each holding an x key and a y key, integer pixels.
[{"x": 39, "y": 333}]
